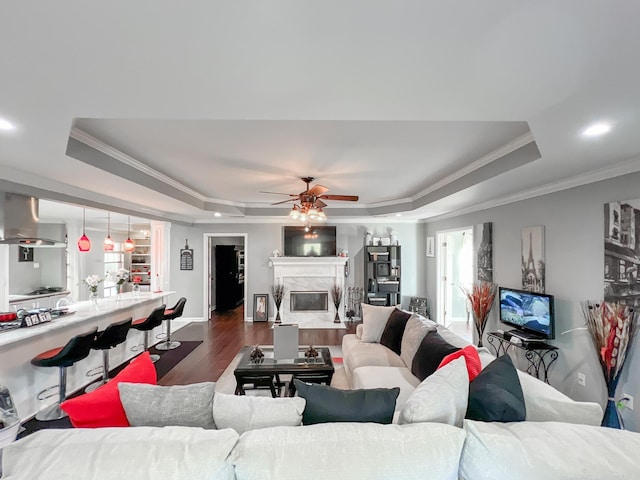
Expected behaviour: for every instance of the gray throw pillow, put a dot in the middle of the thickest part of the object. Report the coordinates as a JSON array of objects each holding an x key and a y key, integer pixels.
[{"x": 178, "y": 405}]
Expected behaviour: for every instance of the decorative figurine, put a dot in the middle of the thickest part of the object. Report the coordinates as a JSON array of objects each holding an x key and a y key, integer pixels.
[
  {"x": 256, "y": 354},
  {"x": 311, "y": 353}
]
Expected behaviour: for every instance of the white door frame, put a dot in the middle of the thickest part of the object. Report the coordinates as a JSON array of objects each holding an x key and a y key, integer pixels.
[
  {"x": 207, "y": 266},
  {"x": 440, "y": 253}
]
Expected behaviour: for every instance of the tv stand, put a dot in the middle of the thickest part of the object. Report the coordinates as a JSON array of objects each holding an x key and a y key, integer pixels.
[
  {"x": 540, "y": 355},
  {"x": 525, "y": 336}
]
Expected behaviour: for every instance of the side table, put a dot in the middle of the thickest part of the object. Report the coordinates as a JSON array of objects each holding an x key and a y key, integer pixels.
[{"x": 540, "y": 355}]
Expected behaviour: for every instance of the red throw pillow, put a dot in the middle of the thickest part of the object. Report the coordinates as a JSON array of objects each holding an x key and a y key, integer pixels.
[
  {"x": 474, "y": 365},
  {"x": 102, "y": 407}
]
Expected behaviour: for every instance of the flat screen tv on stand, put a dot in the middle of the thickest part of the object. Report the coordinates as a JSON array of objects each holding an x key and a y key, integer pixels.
[{"x": 532, "y": 314}]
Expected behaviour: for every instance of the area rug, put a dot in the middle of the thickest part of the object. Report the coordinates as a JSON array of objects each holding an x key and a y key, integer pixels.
[{"x": 227, "y": 381}]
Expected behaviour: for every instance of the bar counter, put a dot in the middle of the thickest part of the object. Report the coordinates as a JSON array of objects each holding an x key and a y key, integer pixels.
[{"x": 19, "y": 346}]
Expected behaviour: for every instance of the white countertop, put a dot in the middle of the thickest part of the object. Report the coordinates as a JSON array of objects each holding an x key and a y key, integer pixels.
[
  {"x": 85, "y": 312},
  {"x": 15, "y": 298}
]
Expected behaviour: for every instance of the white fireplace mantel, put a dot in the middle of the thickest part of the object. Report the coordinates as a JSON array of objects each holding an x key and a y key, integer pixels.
[{"x": 308, "y": 274}]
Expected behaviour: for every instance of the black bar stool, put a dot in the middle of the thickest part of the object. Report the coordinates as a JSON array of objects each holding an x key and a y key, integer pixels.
[
  {"x": 62, "y": 357},
  {"x": 109, "y": 338},
  {"x": 170, "y": 314},
  {"x": 147, "y": 324}
]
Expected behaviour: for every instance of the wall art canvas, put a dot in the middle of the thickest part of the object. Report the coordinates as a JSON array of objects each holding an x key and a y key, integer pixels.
[
  {"x": 622, "y": 252},
  {"x": 483, "y": 243},
  {"x": 533, "y": 260}
]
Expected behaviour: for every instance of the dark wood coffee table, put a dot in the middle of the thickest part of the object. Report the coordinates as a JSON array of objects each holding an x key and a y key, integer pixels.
[{"x": 266, "y": 372}]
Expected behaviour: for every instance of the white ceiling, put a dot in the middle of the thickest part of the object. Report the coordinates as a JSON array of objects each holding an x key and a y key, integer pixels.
[{"x": 179, "y": 110}]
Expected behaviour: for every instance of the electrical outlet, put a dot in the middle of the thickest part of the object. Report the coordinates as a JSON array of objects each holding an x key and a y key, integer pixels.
[
  {"x": 582, "y": 379},
  {"x": 629, "y": 401}
]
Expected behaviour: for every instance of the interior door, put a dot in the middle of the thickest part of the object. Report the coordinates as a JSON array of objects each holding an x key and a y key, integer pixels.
[
  {"x": 226, "y": 277},
  {"x": 212, "y": 278},
  {"x": 455, "y": 273}
]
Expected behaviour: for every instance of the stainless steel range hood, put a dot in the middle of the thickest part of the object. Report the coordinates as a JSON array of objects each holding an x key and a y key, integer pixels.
[{"x": 19, "y": 222}]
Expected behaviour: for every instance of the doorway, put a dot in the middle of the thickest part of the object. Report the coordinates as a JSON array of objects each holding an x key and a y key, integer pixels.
[
  {"x": 225, "y": 272},
  {"x": 455, "y": 272}
]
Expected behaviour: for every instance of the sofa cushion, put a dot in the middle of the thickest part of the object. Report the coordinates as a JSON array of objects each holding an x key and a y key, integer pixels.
[
  {"x": 430, "y": 353},
  {"x": 416, "y": 329},
  {"x": 102, "y": 407},
  {"x": 387, "y": 377},
  {"x": 546, "y": 404},
  {"x": 327, "y": 404},
  {"x": 547, "y": 450},
  {"x": 243, "y": 413},
  {"x": 472, "y": 360},
  {"x": 440, "y": 398},
  {"x": 374, "y": 319},
  {"x": 357, "y": 353},
  {"x": 159, "y": 406},
  {"x": 394, "y": 329},
  {"x": 143, "y": 453},
  {"x": 496, "y": 395},
  {"x": 360, "y": 451}
]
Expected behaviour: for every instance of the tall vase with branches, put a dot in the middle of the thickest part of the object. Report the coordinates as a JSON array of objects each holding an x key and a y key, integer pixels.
[
  {"x": 481, "y": 296},
  {"x": 612, "y": 327},
  {"x": 336, "y": 295},
  {"x": 278, "y": 295}
]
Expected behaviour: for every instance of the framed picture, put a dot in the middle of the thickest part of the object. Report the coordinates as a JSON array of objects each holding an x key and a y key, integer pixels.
[
  {"x": 431, "y": 246},
  {"x": 260, "y": 307}
]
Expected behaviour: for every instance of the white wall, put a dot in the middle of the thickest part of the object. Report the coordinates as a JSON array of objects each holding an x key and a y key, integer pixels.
[
  {"x": 264, "y": 238},
  {"x": 574, "y": 249}
]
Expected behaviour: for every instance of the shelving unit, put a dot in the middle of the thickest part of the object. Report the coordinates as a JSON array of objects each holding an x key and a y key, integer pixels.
[
  {"x": 382, "y": 275},
  {"x": 141, "y": 261}
]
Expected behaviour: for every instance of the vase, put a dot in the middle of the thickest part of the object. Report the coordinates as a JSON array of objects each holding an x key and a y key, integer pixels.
[
  {"x": 93, "y": 297},
  {"x": 278, "y": 319},
  {"x": 337, "y": 319},
  {"x": 119, "y": 291},
  {"x": 136, "y": 290},
  {"x": 479, "y": 324},
  {"x": 612, "y": 418}
]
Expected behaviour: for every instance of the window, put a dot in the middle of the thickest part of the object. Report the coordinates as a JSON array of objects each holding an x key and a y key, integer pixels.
[{"x": 112, "y": 262}]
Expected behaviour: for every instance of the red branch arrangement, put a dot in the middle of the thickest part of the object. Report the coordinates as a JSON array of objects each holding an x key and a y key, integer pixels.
[
  {"x": 481, "y": 296},
  {"x": 612, "y": 327}
]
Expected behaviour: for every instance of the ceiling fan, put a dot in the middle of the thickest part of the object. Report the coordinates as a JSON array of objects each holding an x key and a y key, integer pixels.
[{"x": 311, "y": 201}]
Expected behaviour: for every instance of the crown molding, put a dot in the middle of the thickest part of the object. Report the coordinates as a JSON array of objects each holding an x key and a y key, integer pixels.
[{"x": 597, "y": 175}]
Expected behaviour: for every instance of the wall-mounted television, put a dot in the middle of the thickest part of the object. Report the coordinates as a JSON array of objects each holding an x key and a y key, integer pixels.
[
  {"x": 528, "y": 312},
  {"x": 318, "y": 241}
]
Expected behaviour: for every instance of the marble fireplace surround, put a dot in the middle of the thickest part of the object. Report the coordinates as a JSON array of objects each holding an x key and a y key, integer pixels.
[{"x": 309, "y": 274}]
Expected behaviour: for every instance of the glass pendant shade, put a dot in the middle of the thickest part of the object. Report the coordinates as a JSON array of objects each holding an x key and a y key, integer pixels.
[
  {"x": 108, "y": 242},
  {"x": 84, "y": 244},
  {"x": 128, "y": 243}
]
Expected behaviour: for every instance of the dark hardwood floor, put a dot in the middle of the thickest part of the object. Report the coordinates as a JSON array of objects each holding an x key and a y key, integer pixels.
[{"x": 223, "y": 336}]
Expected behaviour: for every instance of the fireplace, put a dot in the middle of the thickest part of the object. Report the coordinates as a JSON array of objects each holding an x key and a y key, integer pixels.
[
  {"x": 309, "y": 301},
  {"x": 307, "y": 285}
]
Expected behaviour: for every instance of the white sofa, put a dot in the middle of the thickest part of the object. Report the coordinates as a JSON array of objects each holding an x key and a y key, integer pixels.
[
  {"x": 368, "y": 364},
  {"x": 358, "y": 451}
]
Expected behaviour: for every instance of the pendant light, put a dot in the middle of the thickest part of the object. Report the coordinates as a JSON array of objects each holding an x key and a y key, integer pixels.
[
  {"x": 108, "y": 242},
  {"x": 84, "y": 244},
  {"x": 128, "y": 243}
]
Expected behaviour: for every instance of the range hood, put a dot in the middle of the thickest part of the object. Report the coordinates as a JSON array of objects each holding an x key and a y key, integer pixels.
[{"x": 19, "y": 222}]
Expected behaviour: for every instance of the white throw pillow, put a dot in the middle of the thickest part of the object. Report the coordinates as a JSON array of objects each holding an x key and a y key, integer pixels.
[
  {"x": 415, "y": 330},
  {"x": 374, "y": 319},
  {"x": 547, "y": 450},
  {"x": 357, "y": 451},
  {"x": 441, "y": 398},
  {"x": 546, "y": 404},
  {"x": 243, "y": 413},
  {"x": 143, "y": 453}
]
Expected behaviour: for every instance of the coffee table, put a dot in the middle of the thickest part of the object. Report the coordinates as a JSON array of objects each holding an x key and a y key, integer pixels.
[{"x": 267, "y": 371}]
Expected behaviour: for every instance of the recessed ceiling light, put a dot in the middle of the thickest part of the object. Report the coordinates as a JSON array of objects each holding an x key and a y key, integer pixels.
[
  {"x": 596, "y": 129},
  {"x": 217, "y": 214},
  {"x": 398, "y": 214},
  {"x": 6, "y": 125}
]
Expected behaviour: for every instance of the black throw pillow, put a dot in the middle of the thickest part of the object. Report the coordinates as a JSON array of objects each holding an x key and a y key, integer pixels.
[
  {"x": 495, "y": 395},
  {"x": 328, "y": 404},
  {"x": 429, "y": 355},
  {"x": 393, "y": 331}
]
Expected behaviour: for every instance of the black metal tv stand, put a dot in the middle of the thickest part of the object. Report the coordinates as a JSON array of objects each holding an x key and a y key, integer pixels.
[{"x": 540, "y": 355}]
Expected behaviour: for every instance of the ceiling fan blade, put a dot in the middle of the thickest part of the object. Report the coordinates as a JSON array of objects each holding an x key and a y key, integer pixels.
[
  {"x": 320, "y": 204},
  {"x": 280, "y": 193},
  {"x": 317, "y": 190},
  {"x": 347, "y": 198},
  {"x": 287, "y": 200}
]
